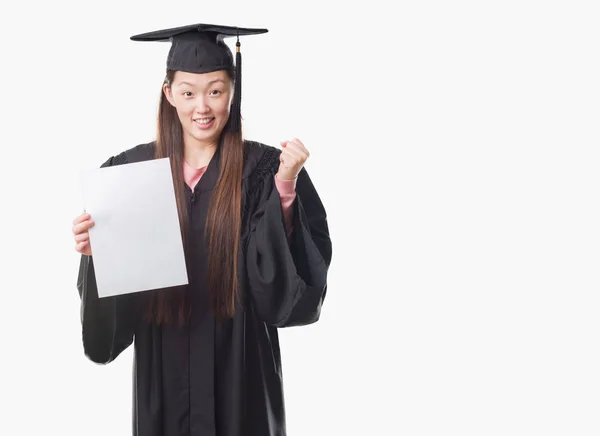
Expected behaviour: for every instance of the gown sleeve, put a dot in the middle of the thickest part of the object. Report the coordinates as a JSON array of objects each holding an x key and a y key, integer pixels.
[
  {"x": 107, "y": 323},
  {"x": 287, "y": 281}
]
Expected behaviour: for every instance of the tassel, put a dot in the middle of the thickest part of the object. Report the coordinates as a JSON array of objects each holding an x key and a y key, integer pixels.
[{"x": 236, "y": 106}]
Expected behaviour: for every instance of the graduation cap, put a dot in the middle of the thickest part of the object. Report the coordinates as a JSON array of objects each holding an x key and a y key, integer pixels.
[{"x": 200, "y": 48}]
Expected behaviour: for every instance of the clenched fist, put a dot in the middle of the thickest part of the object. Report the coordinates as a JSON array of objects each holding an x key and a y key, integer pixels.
[
  {"x": 293, "y": 157},
  {"x": 81, "y": 225}
]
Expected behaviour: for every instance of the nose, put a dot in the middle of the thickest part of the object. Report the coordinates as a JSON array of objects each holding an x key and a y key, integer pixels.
[{"x": 201, "y": 105}]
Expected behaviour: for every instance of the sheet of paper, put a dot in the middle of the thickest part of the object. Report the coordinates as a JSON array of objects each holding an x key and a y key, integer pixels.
[{"x": 136, "y": 240}]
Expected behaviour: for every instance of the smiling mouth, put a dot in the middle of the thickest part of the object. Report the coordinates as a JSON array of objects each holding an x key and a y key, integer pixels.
[{"x": 203, "y": 121}]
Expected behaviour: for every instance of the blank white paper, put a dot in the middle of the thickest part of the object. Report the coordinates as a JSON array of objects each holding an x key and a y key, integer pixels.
[{"x": 136, "y": 238}]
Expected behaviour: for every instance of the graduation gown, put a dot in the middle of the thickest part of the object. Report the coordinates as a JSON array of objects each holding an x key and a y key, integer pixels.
[{"x": 219, "y": 378}]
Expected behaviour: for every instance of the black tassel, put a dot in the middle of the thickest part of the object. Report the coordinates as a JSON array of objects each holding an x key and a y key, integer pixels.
[{"x": 236, "y": 107}]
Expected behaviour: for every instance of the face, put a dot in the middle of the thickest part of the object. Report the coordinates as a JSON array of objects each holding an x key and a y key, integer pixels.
[{"x": 203, "y": 103}]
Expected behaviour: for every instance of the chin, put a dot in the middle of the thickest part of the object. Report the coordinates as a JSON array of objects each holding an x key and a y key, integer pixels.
[
  {"x": 207, "y": 137},
  {"x": 201, "y": 135}
]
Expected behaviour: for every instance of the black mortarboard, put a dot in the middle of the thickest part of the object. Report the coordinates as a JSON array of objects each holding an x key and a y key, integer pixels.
[{"x": 199, "y": 48}]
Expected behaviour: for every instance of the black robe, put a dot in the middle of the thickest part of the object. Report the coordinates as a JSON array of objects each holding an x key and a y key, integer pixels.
[{"x": 219, "y": 378}]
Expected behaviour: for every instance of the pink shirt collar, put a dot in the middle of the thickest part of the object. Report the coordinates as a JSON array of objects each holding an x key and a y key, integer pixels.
[{"x": 192, "y": 175}]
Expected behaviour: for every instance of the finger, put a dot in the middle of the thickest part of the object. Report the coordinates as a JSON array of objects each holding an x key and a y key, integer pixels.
[
  {"x": 81, "y": 227},
  {"x": 81, "y": 218},
  {"x": 301, "y": 146},
  {"x": 80, "y": 246},
  {"x": 296, "y": 144},
  {"x": 294, "y": 153},
  {"x": 82, "y": 237},
  {"x": 290, "y": 141},
  {"x": 284, "y": 144}
]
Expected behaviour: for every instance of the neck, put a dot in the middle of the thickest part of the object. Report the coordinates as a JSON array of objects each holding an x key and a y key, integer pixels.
[{"x": 198, "y": 154}]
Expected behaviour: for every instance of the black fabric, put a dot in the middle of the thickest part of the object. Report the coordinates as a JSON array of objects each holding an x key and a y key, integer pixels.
[
  {"x": 220, "y": 378},
  {"x": 198, "y": 48}
]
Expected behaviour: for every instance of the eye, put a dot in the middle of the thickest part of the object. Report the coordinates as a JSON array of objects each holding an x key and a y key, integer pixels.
[
  {"x": 216, "y": 92},
  {"x": 187, "y": 93}
]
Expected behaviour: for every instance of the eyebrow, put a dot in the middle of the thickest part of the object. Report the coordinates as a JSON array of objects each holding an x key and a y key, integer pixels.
[{"x": 210, "y": 83}]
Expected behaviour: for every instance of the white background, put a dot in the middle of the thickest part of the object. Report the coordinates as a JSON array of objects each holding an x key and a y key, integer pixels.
[{"x": 455, "y": 146}]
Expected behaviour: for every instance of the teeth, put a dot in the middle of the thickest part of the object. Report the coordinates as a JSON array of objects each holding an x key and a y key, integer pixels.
[{"x": 203, "y": 120}]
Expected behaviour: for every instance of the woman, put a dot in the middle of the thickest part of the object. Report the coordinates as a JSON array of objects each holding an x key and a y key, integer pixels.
[{"x": 257, "y": 247}]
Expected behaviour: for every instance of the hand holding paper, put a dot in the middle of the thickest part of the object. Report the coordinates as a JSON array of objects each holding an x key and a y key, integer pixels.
[
  {"x": 135, "y": 231},
  {"x": 81, "y": 225}
]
